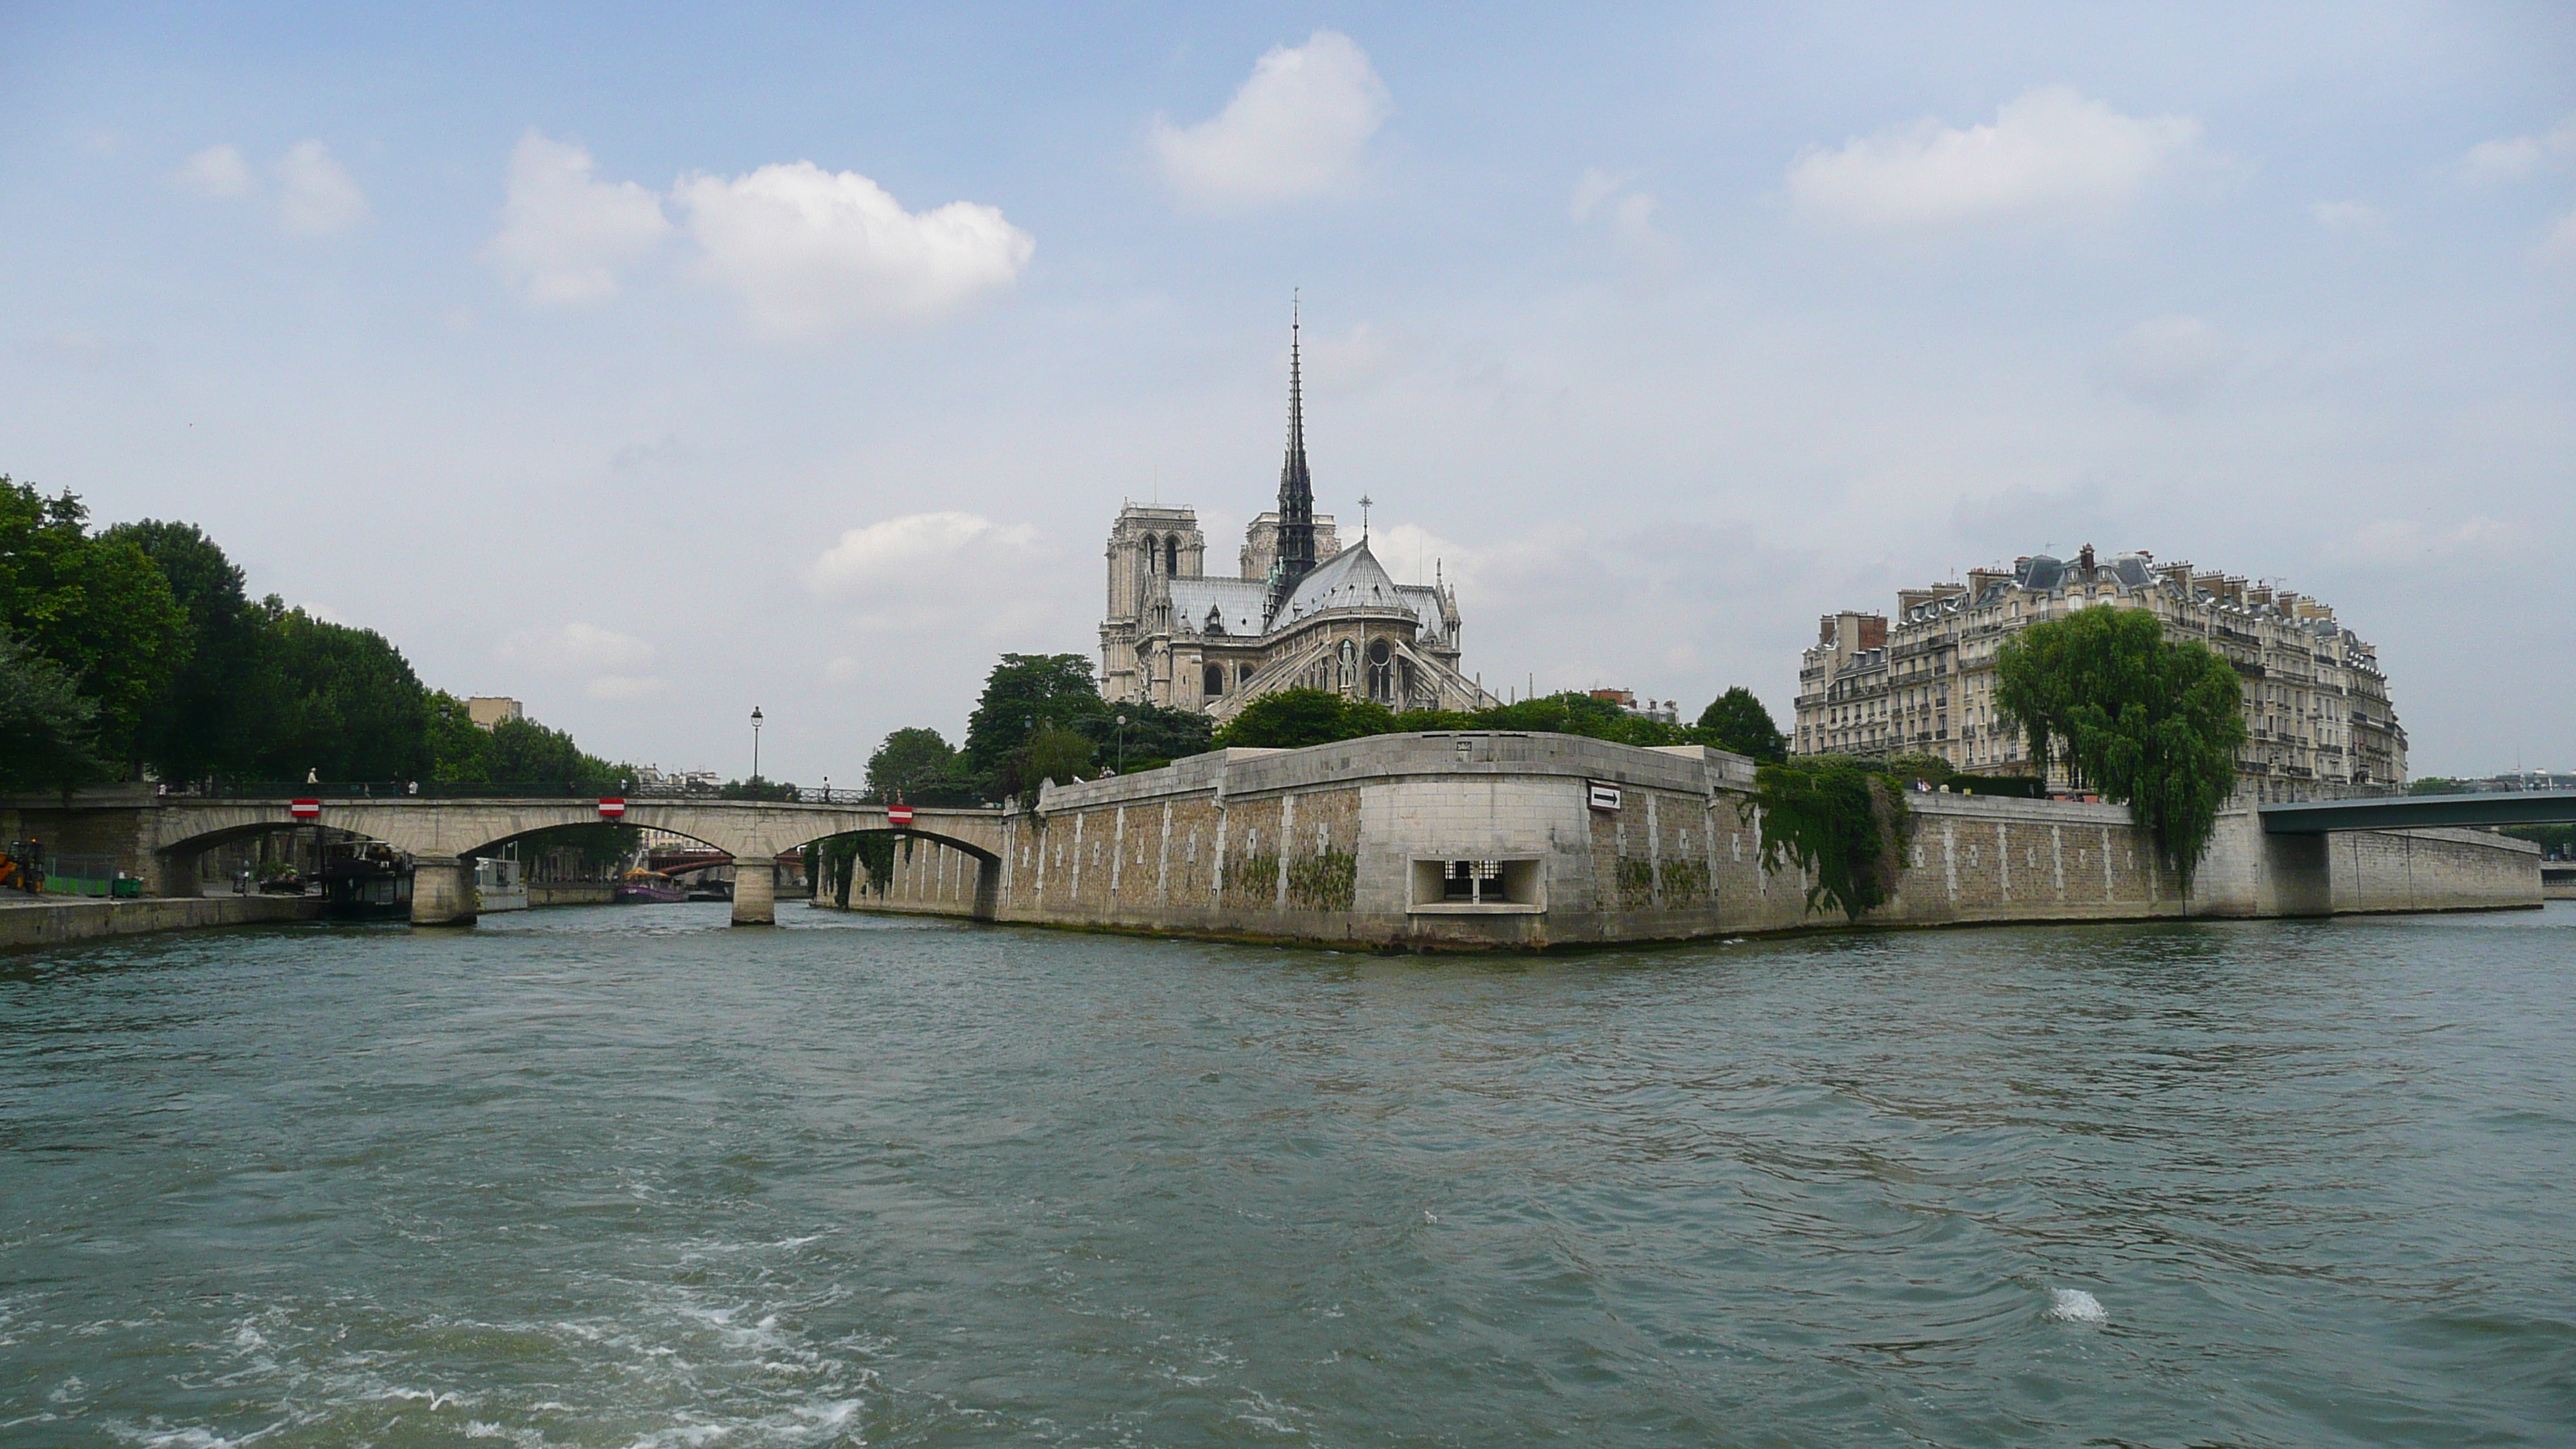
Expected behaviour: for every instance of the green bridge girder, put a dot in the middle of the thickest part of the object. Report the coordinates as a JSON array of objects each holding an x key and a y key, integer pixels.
[{"x": 2417, "y": 812}]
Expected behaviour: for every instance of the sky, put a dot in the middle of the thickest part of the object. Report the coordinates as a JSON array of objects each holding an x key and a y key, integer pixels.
[{"x": 650, "y": 365}]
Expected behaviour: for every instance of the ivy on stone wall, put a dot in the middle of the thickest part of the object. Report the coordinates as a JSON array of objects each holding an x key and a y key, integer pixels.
[
  {"x": 1636, "y": 884},
  {"x": 1327, "y": 881},
  {"x": 1252, "y": 881},
  {"x": 1840, "y": 821},
  {"x": 1685, "y": 881}
]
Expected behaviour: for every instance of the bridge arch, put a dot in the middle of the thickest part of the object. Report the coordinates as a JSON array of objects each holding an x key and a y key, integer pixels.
[
  {"x": 981, "y": 897},
  {"x": 442, "y": 834}
]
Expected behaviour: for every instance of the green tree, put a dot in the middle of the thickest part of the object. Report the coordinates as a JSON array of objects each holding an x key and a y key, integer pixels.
[
  {"x": 2147, "y": 722},
  {"x": 914, "y": 764},
  {"x": 350, "y": 707},
  {"x": 45, "y": 723},
  {"x": 526, "y": 752},
  {"x": 1052, "y": 754},
  {"x": 95, "y": 606},
  {"x": 1024, "y": 693},
  {"x": 1293, "y": 718},
  {"x": 1155, "y": 735},
  {"x": 1839, "y": 820},
  {"x": 209, "y": 719},
  {"x": 2558, "y": 840},
  {"x": 460, "y": 751},
  {"x": 1737, "y": 721}
]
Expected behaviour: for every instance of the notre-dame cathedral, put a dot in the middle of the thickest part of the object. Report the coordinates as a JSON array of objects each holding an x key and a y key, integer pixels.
[{"x": 1303, "y": 612}]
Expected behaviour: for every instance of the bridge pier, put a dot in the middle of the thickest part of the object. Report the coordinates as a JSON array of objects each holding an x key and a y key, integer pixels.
[
  {"x": 755, "y": 889},
  {"x": 442, "y": 891}
]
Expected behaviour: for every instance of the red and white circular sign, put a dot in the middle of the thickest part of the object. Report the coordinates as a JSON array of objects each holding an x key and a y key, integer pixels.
[
  {"x": 305, "y": 809},
  {"x": 611, "y": 808},
  {"x": 898, "y": 815}
]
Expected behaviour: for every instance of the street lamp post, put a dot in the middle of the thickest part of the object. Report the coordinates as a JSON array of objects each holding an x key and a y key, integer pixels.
[
  {"x": 755, "y": 752},
  {"x": 1122, "y": 744}
]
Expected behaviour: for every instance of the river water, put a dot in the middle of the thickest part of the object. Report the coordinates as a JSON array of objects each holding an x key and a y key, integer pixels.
[{"x": 611, "y": 1176}]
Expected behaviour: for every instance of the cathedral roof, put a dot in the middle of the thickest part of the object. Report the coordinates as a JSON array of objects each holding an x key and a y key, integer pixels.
[
  {"x": 1237, "y": 604},
  {"x": 1354, "y": 579}
]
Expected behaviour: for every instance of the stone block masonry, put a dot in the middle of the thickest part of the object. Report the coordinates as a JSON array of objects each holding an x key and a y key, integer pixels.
[
  {"x": 1486, "y": 840},
  {"x": 51, "y": 922}
]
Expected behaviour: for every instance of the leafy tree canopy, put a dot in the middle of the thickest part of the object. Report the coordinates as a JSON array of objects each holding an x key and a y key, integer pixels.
[
  {"x": 1154, "y": 735},
  {"x": 1024, "y": 693},
  {"x": 97, "y": 607},
  {"x": 1737, "y": 721},
  {"x": 2145, "y": 721},
  {"x": 1053, "y": 754},
  {"x": 916, "y": 765},
  {"x": 1293, "y": 718},
  {"x": 351, "y": 708},
  {"x": 44, "y": 723},
  {"x": 210, "y": 717}
]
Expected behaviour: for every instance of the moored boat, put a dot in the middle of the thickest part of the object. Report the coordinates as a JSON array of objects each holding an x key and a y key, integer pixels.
[
  {"x": 499, "y": 886},
  {"x": 641, "y": 886},
  {"x": 365, "y": 880}
]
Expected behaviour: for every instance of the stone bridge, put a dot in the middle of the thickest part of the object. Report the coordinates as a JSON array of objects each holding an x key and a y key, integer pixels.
[{"x": 442, "y": 835}]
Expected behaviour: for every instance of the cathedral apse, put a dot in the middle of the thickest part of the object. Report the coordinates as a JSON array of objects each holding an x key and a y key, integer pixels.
[{"x": 1301, "y": 611}]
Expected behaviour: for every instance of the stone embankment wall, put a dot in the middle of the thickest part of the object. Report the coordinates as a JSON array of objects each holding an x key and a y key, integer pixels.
[
  {"x": 46, "y": 922},
  {"x": 2430, "y": 870},
  {"x": 1346, "y": 843}
]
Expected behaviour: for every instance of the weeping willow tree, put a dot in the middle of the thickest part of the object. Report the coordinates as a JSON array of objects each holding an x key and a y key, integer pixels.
[
  {"x": 2133, "y": 716},
  {"x": 1842, "y": 822}
]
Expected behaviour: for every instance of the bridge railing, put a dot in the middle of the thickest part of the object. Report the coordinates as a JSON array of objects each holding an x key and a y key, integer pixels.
[{"x": 344, "y": 790}]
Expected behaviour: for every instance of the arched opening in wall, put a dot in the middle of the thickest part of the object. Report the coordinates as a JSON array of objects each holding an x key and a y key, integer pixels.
[
  {"x": 1172, "y": 555},
  {"x": 1243, "y": 673},
  {"x": 1213, "y": 680},
  {"x": 1381, "y": 674}
]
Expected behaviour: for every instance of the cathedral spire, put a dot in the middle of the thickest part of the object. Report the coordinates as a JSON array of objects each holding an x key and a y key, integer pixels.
[{"x": 1296, "y": 486}]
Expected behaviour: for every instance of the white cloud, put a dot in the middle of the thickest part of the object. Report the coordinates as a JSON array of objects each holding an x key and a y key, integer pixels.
[
  {"x": 624, "y": 686},
  {"x": 320, "y": 199},
  {"x": 1594, "y": 187},
  {"x": 2519, "y": 158},
  {"x": 575, "y": 647},
  {"x": 1631, "y": 220},
  {"x": 562, "y": 233},
  {"x": 2049, "y": 154},
  {"x": 2397, "y": 541},
  {"x": 2560, "y": 248},
  {"x": 895, "y": 557},
  {"x": 1355, "y": 361},
  {"x": 2352, "y": 217},
  {"x": 1295, "y": 128},
  {"x": 217, "y": 171},
  {"x": 812, "y": 251},
  {"x": 2169, "y": 361}
]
